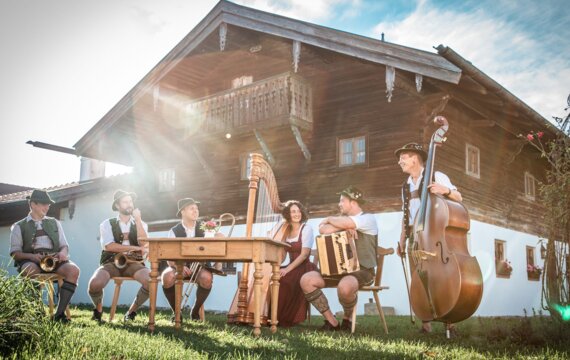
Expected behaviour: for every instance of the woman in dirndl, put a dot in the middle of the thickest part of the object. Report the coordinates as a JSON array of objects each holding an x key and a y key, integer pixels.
[{"x": 292, "y": 305}]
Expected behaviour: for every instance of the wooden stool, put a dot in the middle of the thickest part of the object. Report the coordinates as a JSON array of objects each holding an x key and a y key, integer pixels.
[
  {"x": 118, "y": 282},
  {"x": 46, "y": 280}
]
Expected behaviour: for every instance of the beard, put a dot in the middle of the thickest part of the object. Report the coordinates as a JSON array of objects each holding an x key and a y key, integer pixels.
[{"x": 127, "y": 211}]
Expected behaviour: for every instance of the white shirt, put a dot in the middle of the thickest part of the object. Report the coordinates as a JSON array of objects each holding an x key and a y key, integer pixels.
[
  {"x": 306, "y": 240},
  {"x": 415, "y": 204},
  {"x": 106, "y": 232},
  {"x": 365, "y": 223},
  {"x": 190, "y": 232}
]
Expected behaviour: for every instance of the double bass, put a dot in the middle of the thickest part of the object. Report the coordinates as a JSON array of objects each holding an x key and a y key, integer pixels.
[{"x": 446, "y": 284}]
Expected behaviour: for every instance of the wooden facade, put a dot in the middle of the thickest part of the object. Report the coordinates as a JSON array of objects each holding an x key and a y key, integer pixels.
[{"x": 178, "y": 117}]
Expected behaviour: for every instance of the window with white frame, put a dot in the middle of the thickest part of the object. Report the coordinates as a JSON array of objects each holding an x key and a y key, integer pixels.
[
  {"x": 352, "y": 151},
  {"x": 529, "y": 186},
  {"x": 472, "y": 161},
  {"x": 166, "y": 180}
]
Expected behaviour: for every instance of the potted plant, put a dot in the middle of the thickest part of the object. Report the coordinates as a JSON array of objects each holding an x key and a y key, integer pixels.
[
  {"x": 533, "y": 272},
  {"x": 504, "y": 268}
]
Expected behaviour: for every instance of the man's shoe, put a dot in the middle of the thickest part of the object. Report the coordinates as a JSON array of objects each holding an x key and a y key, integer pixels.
[
  {"x": 130, "y": 316},
  {"x": 97, "y": 316},
  {"x": 173, "y": 319},
  {"x": 327, "y": 326},
  {"x": 195, "y": 315},
  {"x": 61, "y": 319},
  {"x": 346, "y": 325}
]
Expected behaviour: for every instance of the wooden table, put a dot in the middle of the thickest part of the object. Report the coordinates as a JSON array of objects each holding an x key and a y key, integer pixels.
[{"x": 257, "y": 250}]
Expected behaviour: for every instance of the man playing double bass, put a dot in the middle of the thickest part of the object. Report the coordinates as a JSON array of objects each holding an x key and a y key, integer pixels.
[{"x": 411, "y": 158}]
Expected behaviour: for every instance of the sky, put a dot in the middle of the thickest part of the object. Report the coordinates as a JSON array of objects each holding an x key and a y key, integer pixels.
[{"x": 65, "y": 63}]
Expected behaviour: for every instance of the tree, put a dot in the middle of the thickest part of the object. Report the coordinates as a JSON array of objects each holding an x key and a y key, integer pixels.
[{"x": 555, "y": 196}]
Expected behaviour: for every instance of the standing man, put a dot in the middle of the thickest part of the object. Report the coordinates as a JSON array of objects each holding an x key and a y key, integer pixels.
[
  {"x": 122, "y": 234},
  {"x": 38, "y": 235},
  {"x": 354, "y": 220},
  {"x": 189, "y": 226},
  {"x": 411, "y": 158}
]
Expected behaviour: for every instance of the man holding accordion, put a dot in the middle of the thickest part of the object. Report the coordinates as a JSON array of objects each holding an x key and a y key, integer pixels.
[{"x": 362, "y": 228}]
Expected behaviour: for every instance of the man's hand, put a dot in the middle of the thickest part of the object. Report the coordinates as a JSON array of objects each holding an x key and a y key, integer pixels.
[
  {"x": 436, "y": 188},
  {"x": 137, "y": 214},
  {"x": 36, "y": 258},
  {"x": 62, "y": 256},
  {"x": 401, "y": 250},
  {"x": 186, "y": 272}
]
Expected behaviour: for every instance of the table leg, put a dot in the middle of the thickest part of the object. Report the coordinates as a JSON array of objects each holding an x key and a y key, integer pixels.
[
  {"x": 258, "y": 276},
  {"x": 153, "y": 288},
  {"x": 274, "y": 296},
  {"x": 178, "y": 292}
]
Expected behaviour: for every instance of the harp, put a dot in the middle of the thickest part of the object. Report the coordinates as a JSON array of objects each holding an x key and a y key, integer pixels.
[{"x": 263, "y": 215}]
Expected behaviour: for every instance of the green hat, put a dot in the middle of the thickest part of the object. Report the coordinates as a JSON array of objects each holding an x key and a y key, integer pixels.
[
  {"x": 353, "y": 193},
  {"x": 182, "y": 203},
  {"x": 119, "y": 194},
  {"x": 40, "y": 196},
  {"x": 412, "y": 147}
]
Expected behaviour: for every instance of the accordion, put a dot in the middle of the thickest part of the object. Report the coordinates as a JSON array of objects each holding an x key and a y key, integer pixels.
[{"x": 337, "y": 254}]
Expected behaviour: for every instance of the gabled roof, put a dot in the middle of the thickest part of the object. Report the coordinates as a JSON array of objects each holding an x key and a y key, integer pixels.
[{"x": 401, "y": 57}]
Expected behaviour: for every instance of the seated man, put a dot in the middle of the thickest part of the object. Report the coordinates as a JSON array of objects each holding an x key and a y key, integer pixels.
[
  {"x": 121, "y": 235},
  {"x": 189, "y": 226},
  {"x": 38, "y": 235},
  {"x": 354, "y": 220}
]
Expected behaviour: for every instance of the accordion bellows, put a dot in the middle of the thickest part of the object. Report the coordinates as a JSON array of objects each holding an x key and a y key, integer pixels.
[{"x": 337, "y": 254}]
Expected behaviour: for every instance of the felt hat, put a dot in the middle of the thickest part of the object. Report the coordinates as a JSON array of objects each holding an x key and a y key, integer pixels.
[
  {"x": 119, "y": 194},
  {"x": 40, "y": 196},
  {"x": 412, "y": 147},
  {"x": 182, "y": 203},
  {"x": 352, "y": 192}
]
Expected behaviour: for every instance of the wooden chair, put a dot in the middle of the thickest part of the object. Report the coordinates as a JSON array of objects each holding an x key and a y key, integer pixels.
[
  {"x": 118, "y": 282},
  {"x": 46, "y": 281},
  {"x": 375, "y": 288}
]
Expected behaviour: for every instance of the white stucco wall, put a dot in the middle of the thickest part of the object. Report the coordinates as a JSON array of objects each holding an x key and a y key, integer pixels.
[{"x": 500, "y": 296}]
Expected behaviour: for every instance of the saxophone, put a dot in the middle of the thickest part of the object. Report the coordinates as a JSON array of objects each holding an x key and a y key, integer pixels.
[{"x": 49, "y": 262}]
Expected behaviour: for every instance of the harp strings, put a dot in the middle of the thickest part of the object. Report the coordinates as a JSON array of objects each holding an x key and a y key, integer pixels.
[{"x": 266, "y": 216}]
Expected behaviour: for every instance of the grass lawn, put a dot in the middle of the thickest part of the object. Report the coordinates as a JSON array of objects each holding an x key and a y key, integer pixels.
[{"x": 479, "y": 338}]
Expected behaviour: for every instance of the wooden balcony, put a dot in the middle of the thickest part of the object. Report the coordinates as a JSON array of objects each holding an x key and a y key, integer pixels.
[{"x": 281, "y": 100}]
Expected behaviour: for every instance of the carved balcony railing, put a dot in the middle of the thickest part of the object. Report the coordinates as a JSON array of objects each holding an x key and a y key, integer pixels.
[{"x": 284, "y": 99}]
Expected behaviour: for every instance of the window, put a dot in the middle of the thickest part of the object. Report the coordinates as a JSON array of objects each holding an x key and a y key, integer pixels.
[
  {"x": 472, "y": 159},
  {"x": 529, "y": 256},
  {"x": 529, "y": 186},
  {"x": 503, "y": 267},
  {"x": 352, "y": 151},
  {"x": 166, "y": 180}
]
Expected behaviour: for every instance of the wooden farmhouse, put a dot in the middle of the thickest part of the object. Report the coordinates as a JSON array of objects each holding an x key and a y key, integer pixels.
[{"x": 327, "y": 109}]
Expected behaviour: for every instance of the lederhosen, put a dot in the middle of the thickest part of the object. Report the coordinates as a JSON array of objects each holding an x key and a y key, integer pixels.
[{"x": 119, "y": 237}]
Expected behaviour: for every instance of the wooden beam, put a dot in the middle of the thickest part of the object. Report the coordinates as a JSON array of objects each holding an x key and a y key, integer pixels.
[
  {"x": 300, "y": 142},
  {"x": 264, "y": 147},
  {"x": 437, "y": 109},
  {"x": 202, "y": 162},
  {"x": 482, "y": 123}
]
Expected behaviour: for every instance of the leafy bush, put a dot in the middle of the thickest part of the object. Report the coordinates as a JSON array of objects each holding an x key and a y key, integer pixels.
[{"x": 23, "y": 321}]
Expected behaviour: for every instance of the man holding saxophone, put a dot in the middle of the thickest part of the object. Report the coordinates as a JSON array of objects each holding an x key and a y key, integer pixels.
[
  {"x": 121, "y": 238},
  {"x": 38, "y": 245}
]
